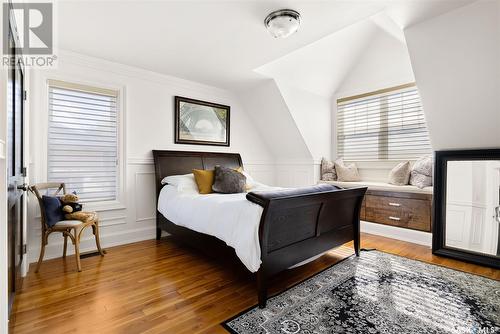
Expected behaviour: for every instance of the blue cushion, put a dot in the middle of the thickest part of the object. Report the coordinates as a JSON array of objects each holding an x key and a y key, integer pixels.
[{"x": 53, "y": 210}]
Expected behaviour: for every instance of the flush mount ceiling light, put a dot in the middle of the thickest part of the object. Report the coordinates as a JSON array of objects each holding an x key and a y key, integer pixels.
[{"x": 282, "y": 23}]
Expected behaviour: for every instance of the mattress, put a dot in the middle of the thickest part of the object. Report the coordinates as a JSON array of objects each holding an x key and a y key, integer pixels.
[{"x": 228, "y": 217}]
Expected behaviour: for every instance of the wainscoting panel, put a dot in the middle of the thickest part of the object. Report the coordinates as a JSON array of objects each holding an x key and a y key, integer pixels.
[
  {"x": 261, "y": 172},
  {"x": 145, "y": 196},
  {"x": 294, "y": 174}
]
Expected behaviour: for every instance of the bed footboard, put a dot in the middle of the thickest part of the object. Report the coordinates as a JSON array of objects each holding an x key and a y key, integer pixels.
[{"x": 298, "y": 224}]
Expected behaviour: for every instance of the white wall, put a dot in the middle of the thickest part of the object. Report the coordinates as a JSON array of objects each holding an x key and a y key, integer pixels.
[
  {"x": 148, "y": 109},
  {"x": 385, "y": 63},
  {"x": 312, "y": 115},
  {"x": 269, "y": 111},
  {"x": 456, "y": 60}
]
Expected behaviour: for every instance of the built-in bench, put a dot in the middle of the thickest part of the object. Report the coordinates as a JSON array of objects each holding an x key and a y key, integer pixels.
[{"x": 400, "y": 206}]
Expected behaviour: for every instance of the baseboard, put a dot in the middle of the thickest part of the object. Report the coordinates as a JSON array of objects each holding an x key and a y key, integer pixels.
[
  {"x": 55, "y": 247},
  {"x": 416, "y": 237}
]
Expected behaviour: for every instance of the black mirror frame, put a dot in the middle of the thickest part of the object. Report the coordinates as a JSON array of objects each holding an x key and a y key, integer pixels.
[{"x": 439, "y": 221}]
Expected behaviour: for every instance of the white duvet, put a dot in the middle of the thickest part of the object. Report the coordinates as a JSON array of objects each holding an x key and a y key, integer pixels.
[{"x": 229, "y": 217}]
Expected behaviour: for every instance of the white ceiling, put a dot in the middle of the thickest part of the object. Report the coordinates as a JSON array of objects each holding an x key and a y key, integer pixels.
[
  {"x": 321, "y": 66},
  {"x": 213, "y": 42}
]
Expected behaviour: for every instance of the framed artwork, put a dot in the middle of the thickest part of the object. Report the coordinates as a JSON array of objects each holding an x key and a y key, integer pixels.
[{"x": 201, "y": 123}]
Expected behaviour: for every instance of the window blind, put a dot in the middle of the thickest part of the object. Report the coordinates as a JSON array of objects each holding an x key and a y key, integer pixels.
[
  {"x": 82, "y": 140},
  {"x": 389, "y": 125}
]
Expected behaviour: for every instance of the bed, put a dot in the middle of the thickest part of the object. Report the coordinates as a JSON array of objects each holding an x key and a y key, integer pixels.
[{"x": 290, "y": 226}]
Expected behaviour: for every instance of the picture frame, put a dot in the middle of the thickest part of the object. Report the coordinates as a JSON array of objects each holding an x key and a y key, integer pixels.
[{"x": 201, "y": 123}]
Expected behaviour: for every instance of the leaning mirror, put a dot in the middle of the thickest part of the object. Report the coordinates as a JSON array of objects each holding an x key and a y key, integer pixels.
[{"x": 467, "y": 206}]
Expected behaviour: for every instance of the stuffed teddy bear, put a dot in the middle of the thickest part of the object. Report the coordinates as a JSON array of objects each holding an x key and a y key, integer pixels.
[
  {"x": 73, "y": 209},
  {"x": 70, "y": 203}
]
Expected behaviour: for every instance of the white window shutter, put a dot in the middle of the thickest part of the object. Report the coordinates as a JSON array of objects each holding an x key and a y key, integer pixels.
[
  {"x": 83, "y": 140},
  {"x": 386, "y": 126}
]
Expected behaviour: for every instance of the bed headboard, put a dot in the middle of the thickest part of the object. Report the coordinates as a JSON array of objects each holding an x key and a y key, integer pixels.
[{"x": 183, "y": 162}]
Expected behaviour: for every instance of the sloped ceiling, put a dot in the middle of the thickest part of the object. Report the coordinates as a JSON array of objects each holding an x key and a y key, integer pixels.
[
  {"x": 320, "y": 67},
  {"x": 456, "y": 60}
]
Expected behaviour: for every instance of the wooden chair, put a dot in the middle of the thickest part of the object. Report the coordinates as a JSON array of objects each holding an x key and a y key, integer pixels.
[{"x": 69, "y": 228}]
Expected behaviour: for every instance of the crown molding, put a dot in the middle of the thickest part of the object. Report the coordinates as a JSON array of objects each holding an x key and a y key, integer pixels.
[{"x": 100, "y": 64}]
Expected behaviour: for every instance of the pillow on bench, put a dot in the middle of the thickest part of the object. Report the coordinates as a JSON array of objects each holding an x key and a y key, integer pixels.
[
  {"x": 421, "y": 173},
  {"x": 347, "y": 172},
  {"x": 400, "y": 175}
]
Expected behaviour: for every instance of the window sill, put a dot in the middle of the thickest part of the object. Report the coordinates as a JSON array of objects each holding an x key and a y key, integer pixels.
[
  {"x": 380, "y": 164},
  {"x": 103, "y": 206}
]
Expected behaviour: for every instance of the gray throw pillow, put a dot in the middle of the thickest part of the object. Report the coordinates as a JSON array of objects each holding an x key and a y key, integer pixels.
[
  {"x": 329, "y": 177},
  {"x": 328, "y": 172},
  {"x": 423, "y": 166},
  {"x": 420, "y": 180},
  {"x": 400, "y": 175},
  {"x": 228, "y": 181}
]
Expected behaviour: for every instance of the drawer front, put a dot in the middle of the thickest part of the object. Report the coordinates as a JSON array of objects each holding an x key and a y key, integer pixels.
[{"x": 401, "y": 212}]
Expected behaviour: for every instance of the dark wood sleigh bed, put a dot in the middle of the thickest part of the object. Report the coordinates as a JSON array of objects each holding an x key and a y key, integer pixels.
[{"x": 293, "y": 228}]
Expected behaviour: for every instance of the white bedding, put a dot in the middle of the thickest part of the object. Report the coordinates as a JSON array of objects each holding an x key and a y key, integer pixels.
[{"x": 229, "y": 217}]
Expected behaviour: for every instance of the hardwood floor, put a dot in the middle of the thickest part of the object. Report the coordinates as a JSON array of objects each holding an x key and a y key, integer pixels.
[{"x": 162, "y": 287}]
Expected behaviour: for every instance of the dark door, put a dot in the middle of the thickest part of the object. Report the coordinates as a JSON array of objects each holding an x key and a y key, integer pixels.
[{"x": 15, "y": 172}]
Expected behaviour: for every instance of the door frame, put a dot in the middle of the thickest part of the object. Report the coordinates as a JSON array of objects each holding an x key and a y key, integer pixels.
[
  {"x": 493, "y": 230},
  {"x": 18, "y": 68}
]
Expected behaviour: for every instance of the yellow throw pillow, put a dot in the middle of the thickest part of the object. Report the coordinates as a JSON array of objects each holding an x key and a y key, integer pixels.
[{"x": 204, "y": 179}]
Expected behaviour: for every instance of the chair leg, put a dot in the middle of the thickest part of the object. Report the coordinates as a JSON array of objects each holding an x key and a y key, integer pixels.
[
  {"x": 95, "y": 230},
  {"x": 65, "y": 244},
  {"x": 42, "y": 252},
  {"x": 77, "y": 250}
]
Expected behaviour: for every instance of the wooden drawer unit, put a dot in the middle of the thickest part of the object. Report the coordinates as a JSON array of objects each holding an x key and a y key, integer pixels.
[
  {"x": 401, "y": 209},
  {"x": 362, "y": 214}
]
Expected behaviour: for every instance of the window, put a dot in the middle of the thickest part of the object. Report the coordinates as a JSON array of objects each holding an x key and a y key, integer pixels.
[
  {"x": 83, "y": 140},
  {"x": 385, "y": 125}
]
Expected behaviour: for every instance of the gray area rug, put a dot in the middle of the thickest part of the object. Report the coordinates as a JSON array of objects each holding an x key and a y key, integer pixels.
[{"x": 379, "y": 293}]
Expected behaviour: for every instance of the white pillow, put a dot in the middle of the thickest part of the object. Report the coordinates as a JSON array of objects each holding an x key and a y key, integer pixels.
[
  {"x": 184, "y": 183},
  {"x": 400, "y": 175},
  {"x": 347, "y": 172},
  {"x": 250, "y": 183}
]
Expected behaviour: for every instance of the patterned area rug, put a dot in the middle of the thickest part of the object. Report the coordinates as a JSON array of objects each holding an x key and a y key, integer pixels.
[{"x": 379, "y": 293}]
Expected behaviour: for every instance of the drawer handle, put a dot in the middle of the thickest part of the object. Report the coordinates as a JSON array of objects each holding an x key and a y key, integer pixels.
[
  {"x": 394, "y": 204},
  {"x": 394, "y": 218}
]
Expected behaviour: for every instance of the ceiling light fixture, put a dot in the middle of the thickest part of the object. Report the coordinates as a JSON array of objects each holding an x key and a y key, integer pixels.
[{"x": 282, "y": 23}]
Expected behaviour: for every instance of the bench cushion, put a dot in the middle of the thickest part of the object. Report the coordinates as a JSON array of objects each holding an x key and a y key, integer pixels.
[{"x": 380, "y": 186}]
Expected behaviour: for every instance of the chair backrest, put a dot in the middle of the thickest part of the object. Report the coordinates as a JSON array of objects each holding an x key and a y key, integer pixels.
[{"x": 38, "y": 190}]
